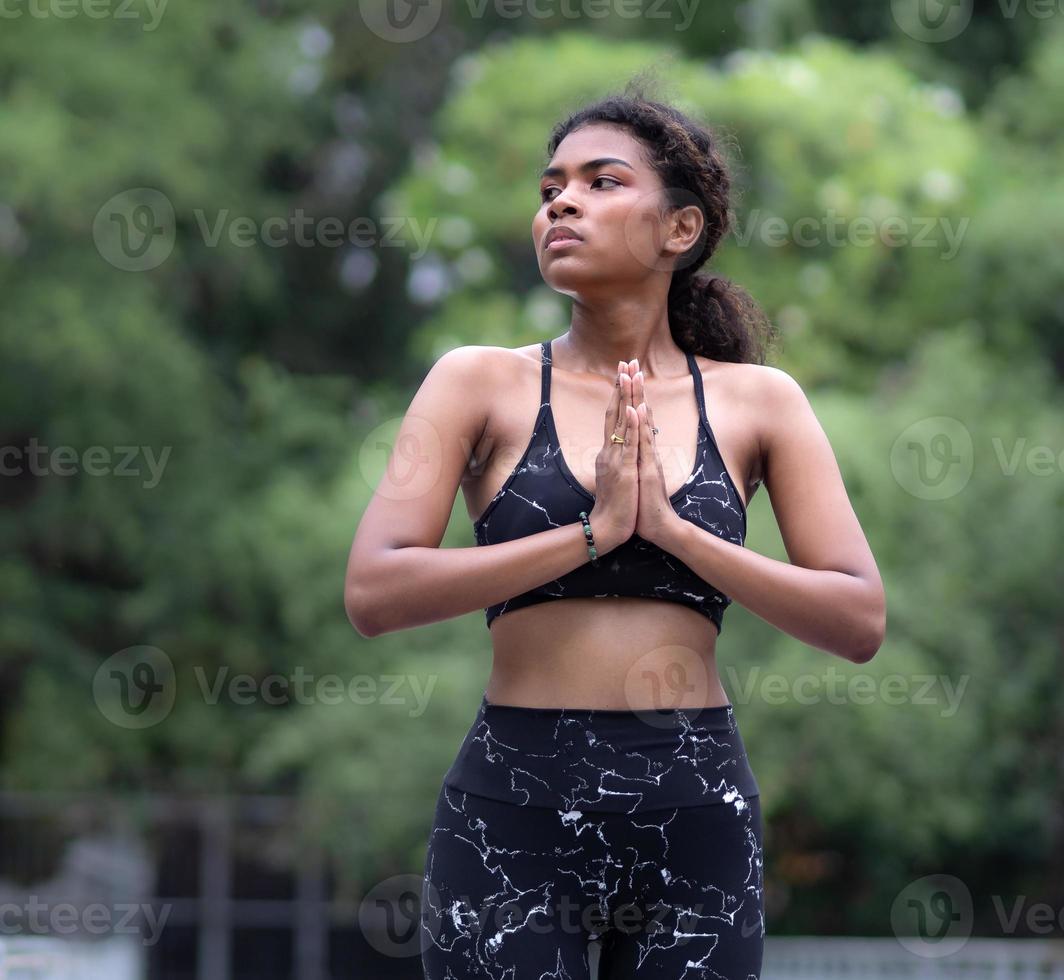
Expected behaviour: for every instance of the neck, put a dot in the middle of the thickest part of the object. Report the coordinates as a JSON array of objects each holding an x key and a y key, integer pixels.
[{"x": 598, "y": 339}]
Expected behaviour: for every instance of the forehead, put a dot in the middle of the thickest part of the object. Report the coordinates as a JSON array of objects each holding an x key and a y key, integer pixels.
[{"x": 599, "y": 140}]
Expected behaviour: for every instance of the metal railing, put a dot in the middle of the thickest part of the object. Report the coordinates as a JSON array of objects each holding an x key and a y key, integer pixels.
[
  {"x": 45, "y": 958},
  {"x": 844, "y": 958}
]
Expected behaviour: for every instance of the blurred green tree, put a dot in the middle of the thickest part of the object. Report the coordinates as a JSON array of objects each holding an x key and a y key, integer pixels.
[{"x": 229, "y": 555}]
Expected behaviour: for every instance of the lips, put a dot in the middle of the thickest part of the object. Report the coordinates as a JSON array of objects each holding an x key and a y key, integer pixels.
[{"x": 560, "y": 234}]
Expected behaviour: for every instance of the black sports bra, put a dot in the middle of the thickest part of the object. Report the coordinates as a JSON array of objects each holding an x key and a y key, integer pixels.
[{"x": 542, "y": 493}]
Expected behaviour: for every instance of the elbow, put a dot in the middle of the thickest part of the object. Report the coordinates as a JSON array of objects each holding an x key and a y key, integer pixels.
[
  {"x": 358, "y": 609},
  {"x": 866, "y": 651},
  {"x": 872, "y": 638}
]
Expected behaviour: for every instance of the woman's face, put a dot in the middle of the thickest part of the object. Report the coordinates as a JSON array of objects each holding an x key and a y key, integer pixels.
[{"x": 614, "y": 205}]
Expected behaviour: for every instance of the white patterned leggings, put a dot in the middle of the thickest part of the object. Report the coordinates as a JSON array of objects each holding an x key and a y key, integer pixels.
[{"x": 514, "y": 889}]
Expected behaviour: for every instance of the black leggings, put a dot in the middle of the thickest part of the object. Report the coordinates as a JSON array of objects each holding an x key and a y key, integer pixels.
[{"x": 549, "y": 833}]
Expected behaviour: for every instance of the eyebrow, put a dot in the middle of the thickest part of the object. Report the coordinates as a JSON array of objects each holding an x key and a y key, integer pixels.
[{"x": 589, "y": 165}]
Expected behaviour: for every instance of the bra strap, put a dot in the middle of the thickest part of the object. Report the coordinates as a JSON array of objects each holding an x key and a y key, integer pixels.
[
  {"x": 701, "y": 396},
  {"x": 699, "y": 393},
  {"x": 544, "y": 385}
]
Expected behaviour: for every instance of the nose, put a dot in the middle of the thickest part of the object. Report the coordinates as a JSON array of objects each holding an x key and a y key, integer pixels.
[{"x": 562, "y": 204}]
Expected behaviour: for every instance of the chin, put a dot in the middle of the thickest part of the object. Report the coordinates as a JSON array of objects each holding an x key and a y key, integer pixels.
[{"x": 581, "y": 277}]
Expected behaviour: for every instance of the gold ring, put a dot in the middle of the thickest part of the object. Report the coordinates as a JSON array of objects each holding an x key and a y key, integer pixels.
[{"x": 616, "y": 438}]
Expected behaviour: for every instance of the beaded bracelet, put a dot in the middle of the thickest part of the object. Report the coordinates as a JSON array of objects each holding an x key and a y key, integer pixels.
[{"x": 590, "y": 539}]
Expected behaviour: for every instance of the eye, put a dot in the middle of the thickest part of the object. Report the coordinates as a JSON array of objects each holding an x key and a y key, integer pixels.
[{"x": 543, "y": 194}]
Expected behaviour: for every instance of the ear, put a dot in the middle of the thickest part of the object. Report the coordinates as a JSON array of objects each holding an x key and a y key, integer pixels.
[{"x": 686, "y": 227}]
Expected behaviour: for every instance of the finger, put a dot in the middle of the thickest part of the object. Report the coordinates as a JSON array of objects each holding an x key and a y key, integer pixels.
[
  {"x": 626, "y": 395},
  {"x": 641, "y": 395},
  {"x": 613, "y": 409},
  {"x": 638, "y": 388},
  {"x": 631, "y": 446},
  {"x": 625, "y": 400},
  {"x": 645, "y": 448},
  {"x": 629, "y": 391}
]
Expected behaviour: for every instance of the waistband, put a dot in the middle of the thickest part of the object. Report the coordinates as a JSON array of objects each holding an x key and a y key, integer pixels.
[{"x": 603, "y": 759}]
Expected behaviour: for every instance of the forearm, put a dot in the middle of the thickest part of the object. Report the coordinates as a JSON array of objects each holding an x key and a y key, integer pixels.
[
  {"x": 414, "y": 586},
  {"x": 833, "y": 611}
]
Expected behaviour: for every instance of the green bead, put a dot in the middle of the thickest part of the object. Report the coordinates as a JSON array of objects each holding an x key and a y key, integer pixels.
[{"x": 594, "y": 553}]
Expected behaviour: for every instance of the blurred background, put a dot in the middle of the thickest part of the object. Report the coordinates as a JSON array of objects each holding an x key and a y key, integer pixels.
[{"x": 235, "y": 236}]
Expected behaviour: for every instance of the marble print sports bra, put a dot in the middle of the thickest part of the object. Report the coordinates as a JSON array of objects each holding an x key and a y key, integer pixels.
[{"x": 542, "y": 493}]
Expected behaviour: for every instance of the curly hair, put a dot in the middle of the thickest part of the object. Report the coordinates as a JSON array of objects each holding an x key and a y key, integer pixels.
[{"x": 708, "y": 314}]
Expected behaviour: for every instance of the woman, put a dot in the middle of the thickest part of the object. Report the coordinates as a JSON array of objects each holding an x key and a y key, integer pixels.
[{"x": 603, "y": 791}]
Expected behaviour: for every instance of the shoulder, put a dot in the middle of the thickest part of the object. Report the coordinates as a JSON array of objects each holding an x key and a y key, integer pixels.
[
  {"x": 762, "y": 384},
  {"x": 481, "y": 361},
  {"x": 774, "y": 385},
  {"x": 463, "y": 360},
  {"x": 768, "y": 399},
  {"x": 478, "y": 377}
]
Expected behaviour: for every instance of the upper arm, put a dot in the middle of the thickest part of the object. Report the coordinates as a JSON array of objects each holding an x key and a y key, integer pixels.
[
  {"x": 816, "y": 520},
  {"x": 434, "y": 443}
]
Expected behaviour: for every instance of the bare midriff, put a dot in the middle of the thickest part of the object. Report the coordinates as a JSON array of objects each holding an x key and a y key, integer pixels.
[{"x": 605, "y": 652}]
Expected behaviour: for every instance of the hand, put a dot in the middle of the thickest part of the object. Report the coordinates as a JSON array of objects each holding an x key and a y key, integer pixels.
[
  {"x": 655, "y": 516},
  {"x": 613, "y": 518}
]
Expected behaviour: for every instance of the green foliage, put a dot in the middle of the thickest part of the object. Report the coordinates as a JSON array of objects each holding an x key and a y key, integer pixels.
[
  {"x": 874, "y": 147},
  {"x": 230, "y": 559},
  {"x": 953, "y": 731}
]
